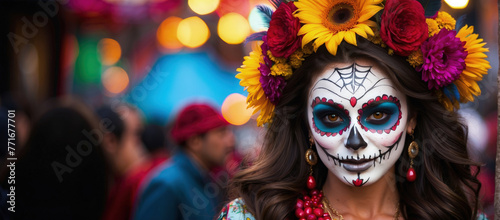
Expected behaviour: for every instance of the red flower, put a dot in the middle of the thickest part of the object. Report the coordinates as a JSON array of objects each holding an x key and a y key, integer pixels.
[
  {"x": 403, "y": 27},
  {"x": 282, "y": 33}
]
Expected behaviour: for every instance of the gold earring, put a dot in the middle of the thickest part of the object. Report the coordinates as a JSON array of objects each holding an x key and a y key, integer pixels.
[
  {"x": 412, "y": 152},
  {"x": 311, "y": 159}
]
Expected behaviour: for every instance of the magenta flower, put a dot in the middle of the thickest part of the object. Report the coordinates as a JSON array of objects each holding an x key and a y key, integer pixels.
[
  {"x": 272, "y": 85},
  {"x": 444, "y": 59}
]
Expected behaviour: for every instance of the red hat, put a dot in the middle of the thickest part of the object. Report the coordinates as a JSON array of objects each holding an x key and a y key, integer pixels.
[{"x": 196, "y": 119}]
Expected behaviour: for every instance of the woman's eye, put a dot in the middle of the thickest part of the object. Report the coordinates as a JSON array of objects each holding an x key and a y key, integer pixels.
[
  {"x": 333, "y": 118},
  {"x": 377, "y": 116}
]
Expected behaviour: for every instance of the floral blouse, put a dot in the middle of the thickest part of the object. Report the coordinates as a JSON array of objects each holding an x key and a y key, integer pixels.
[{"x": 235, "y": 210}]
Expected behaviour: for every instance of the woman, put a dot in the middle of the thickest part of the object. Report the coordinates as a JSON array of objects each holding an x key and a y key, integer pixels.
[{"x": 378, "y": 107}]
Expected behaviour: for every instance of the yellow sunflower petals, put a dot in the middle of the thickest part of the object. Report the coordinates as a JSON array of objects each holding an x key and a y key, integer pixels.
[{"x": 350, "y": 37}]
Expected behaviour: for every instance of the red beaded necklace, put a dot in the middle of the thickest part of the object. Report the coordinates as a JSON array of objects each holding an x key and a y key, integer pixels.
[{"x": 312, "y": 205}]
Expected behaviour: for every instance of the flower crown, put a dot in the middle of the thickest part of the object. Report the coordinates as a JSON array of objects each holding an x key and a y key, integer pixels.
[{"x": 449, "y": 55}]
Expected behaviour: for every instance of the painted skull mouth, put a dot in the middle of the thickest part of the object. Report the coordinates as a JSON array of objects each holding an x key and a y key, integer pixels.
[{"x": 362, "y": 159}]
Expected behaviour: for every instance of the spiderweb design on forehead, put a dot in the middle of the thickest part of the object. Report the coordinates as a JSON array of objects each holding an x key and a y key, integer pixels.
[{"x": 350, "y": 78}]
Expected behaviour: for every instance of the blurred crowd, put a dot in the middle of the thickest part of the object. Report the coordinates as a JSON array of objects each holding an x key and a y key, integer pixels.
[{"x": 78, "y": 162}]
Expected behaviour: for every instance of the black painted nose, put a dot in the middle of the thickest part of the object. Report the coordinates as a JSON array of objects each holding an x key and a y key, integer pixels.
[{"x": 355, "y": 141}]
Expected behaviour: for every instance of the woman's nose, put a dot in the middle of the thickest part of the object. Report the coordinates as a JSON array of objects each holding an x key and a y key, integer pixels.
[{"x": 355, "y": 141}]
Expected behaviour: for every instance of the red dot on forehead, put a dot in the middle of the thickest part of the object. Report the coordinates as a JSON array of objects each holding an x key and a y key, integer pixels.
[{"x": 353, "y": 101}]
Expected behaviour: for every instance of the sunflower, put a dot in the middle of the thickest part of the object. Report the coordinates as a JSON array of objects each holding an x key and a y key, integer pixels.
[
  {"x": 249, "y": 75},
  {"x": 476, "y": 66},
  {"x": 330, "y": 22}
]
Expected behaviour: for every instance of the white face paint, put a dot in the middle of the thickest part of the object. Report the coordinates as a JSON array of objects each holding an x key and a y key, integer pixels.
[{"x": 358, "y": 120}]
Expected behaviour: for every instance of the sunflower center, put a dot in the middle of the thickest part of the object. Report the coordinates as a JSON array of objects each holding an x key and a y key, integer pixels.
[{"x": 341, "y": 14}]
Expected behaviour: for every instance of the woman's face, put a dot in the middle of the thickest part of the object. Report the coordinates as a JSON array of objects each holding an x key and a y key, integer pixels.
[{"x": 358, "y": 120}]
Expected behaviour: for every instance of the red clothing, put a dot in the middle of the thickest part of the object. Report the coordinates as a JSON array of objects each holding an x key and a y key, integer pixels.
[{"x": 121, "y": 199}]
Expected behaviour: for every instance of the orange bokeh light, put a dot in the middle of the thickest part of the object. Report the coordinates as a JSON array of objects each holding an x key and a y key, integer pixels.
[
  {"x": 233, "y": 28},
  {"x": 234, "y": 109},
  {"x": 193, "y": 32},
  {"x": 110, "y": 51},
  {"x": 115, "y": 80},
  {"x": 167, "y": 33}
]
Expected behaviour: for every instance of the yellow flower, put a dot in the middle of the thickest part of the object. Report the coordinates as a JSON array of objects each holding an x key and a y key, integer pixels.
[
  {"x": 249, "y": 76},
  {"x": 433, "y": 26},
  {"x": 330, "y": 22},
  {"x": 415, "y": 58},
  {"x": 375, "y": 38},
  {"x": 446, "y": 102},
  {"x": 281, "y": 69},
  {"x": 275, "y": 59},
  {"x": 296, "y": 58},
  {"x": 445, "y": 20},
  {"x": 307, "y": 49},
  {"x": 476, "y": 64}
]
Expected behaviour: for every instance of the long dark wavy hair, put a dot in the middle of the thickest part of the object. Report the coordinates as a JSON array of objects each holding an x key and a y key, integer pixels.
[{"x": 446, "y": 186}]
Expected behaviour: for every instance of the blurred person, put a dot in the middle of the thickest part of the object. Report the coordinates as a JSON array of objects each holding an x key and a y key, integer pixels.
[
  {"x": 154, "y": 141},
  {"x": 61, "y": 173},
  {"x": 127, "y": 156},
  {"x": 183, "y": 188}
]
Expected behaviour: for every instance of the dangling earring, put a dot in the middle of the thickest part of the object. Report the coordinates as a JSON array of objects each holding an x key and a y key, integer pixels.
[
  {"x": 412, "y": 152},
  {"x": 311, "y": 159},
  {"x": 310, "y": 205}
]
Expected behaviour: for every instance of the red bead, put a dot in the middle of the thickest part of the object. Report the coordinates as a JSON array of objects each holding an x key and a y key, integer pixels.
[
  {"x": 300, "y": 213},
  {"x": 326, "y": 215},
  {"x": 300, "y": 204},
  {"x": 307, "y": 204},
  {"x": 318, "y": 212},
  {"x": 311, "y": 182},
  {"x": 315, "y": 192},
  {"x": 302, "y": 219},
  {"x": 308, "y": 210},
  {"x": 311, "y": 217},
  {"x": 411, "y": 175},
  {"x": 320, "y": 218},
  {"x": 328, "y": 218}
]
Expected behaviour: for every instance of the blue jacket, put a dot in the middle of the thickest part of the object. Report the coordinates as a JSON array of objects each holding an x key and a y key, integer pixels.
[{"x": 180, "y": 190}]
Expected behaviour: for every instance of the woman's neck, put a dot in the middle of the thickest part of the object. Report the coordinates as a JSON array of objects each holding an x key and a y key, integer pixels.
[{"x": 376, "y": 201}]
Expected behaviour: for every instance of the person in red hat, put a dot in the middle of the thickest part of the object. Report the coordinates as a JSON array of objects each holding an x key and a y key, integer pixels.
[{"x": 183, "y": 189}]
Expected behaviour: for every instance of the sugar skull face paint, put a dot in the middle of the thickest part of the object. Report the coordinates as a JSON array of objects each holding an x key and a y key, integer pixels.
[{"x": 358, "y": 120}]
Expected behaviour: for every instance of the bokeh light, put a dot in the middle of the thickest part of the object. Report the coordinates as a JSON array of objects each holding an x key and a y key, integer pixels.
[
  {"x": 115, "y": 79},
  {"x": 233, "y": 28},
  {"x": 192, "y": 32},
  {"x": 457, "y": 4},
  {"x": 109, "y": 50},
  {"x": 234, "y": 109},
  {"x": 203, "y": 7},
  {"x": 256, "y": 21},
  {"x": 167, "y": 33}
]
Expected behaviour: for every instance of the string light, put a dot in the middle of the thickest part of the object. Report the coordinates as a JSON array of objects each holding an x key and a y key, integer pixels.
[
  {"x": 109, "y": 50},
  {"x": 203, "y": 7},
  {"x": 457, "y": 4},
  {"x": 167, "y": 33},
  {"x": 233, "y": 28},
  {"x": 192, "y": 32},
  {"x": 234, "y": 109},
  {"x": 115, "y": 80}
]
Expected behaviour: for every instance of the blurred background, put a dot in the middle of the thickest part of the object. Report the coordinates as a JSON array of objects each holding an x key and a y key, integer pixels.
[{"x": 159, "y": 55}]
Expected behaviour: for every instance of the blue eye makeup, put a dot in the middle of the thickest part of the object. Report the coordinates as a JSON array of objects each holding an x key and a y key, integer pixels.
[
  {"x": 382, "y": 115},
  {"x": 330, "y": 118}
]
